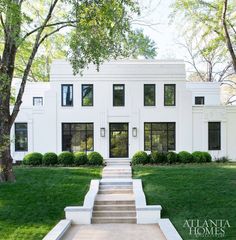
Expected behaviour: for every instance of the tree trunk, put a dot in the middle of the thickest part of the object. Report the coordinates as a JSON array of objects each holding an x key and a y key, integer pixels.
[
  {"x": 227, "y": 36},
  {"x": 6, "y": 171}
]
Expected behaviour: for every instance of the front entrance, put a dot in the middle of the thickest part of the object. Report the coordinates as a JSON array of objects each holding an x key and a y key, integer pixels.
[{"x": 119, "y": 140}]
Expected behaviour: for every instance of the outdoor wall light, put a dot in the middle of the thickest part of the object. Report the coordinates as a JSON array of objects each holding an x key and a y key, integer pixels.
[
  {"x": 134, "y": 132},
  {"x": 102, "y": 132}
]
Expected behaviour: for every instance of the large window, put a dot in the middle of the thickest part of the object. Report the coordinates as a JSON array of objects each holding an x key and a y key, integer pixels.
[
  {"x": 77, "y": 137},
  {"x": 149, "y": 94},
  {"x": 87, "y": 95},
  {"x": 67, "y": 95},
  {"x": 214, "y": 141},
  {"x": 118, "y": 95},
  {"x": 169, "y": 94},
  {"x": 159, "y": 136},
  {"x": 37, "y": 101},
  {"x": 199, "y": 100},
  {"x": 21, "y": 137}
]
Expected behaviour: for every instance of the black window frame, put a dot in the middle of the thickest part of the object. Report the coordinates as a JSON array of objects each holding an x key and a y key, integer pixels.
[
  {"x": 70, "y": 123},
  {"x": 168, "y": 85},
  {"x": 167, "y": 123},
  {"x": 27, "y": 138},
  {"x": 197, "y": 98},
  {"x": 149, "y": 85},
  {"x": 68, "y": 85},
  {"x": 218, "y": 129},
  {"x": 115, "y": 85},
  {"x": 82, "y": 97},
  {"x": 37, "y": 98}
]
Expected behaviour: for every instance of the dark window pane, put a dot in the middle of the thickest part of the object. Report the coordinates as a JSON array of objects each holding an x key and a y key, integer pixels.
[
  {"x": 21, "y": 137},
  {"x": 67, "y": 95},
  {"x": 169, "y": 94},
  {"x": 87, "y": 95},
  {"x": 214, "y": 135},
  {"x": 119, "y": 95},
  {"x": 159, "y": 137},
  {"x": 199, "y": 100},
  {"x": 37, "y": 101},
  {"x": 149, "y": 95},
  {"x": 77, "y": 137}
]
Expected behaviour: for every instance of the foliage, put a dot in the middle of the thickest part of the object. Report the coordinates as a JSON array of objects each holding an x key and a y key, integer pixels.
[
  {"x": 198, "y": 157},
  {"x": 50, "y": 158},
  {"x": 207, "y": 156},
  {"x": 66, "y": 158},
  {"x": 172, "y": 157},
  {"x": 140, "y": 157},
  {"x": 80, "y": 158},
  {"x": 158, "y": 157},
  {"x": 33, "y": 159},
  {"x": 95, "y": 158},
  {"x": 223, "y": 159},
  {"x": 34, "y": 204},
  {"x": 185, "y": 157}
]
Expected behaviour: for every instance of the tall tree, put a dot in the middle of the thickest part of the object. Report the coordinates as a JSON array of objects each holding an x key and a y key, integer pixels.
[
  {"x": 211, "y": 21},
  {"x": 96, "y": 30}
]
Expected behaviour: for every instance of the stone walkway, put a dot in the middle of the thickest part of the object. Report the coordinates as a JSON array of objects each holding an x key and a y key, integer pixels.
[
  {"x": 114, "y": 213},
  {"x": 114, "y": 232}
]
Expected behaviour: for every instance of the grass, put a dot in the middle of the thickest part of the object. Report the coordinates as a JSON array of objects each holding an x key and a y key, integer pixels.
[
  {"x": 192, "y": 192},
  {"x": 32, "y": 205}
]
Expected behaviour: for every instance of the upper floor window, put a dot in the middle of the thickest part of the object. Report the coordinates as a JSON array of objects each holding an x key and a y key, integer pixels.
[
  {"x": 21, "y": 137},
  {"x": 37, "y": 101},
  {"x": 87, "y": 94},
  {"x": 199, "y": 100},
  {"x": 118, "y": 95},
  {"x": 149, "y": 94},
  {"x": 67, "y": 95},
  {"x": 214, "y": 136},
  {"x": 169, "y": 94}
]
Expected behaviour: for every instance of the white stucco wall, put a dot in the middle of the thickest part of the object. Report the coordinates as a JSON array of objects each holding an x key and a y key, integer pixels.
[{"x": 44, "y": 123}]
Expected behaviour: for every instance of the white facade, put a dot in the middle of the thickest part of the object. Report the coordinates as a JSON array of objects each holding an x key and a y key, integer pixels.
[{"x": 44, "y": 123}]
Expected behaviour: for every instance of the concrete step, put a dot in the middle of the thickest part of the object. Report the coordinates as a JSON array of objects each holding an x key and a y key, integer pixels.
[
  {"x": 107, "y": 187},
  {"x": 115, "y": 191},
  {"x": 116, "y": 172},
  {"x": 116, "y": 176},
  {"x": 114, "y": 214},
  {"x": 114, "y": 207},
  {"x": 114, "y": 202},
  {"x": 116, "y": 183},
  {"x": 98, "y": 220}
]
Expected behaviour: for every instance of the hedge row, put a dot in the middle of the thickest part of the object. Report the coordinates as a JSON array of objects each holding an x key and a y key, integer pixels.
[
  {"x": 155, "y": 157},
  {"x": 64, "y": 158}
]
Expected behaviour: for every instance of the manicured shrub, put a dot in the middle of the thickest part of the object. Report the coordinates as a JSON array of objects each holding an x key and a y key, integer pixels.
[
  {"x": 140, "y": 157},
  {"x": 95, "y": 158},
  {"x": 172, "y": 157},
  {"x": 33, "y": 159},
  {"x": 66, "y": 158},
  {"x": 80, "y": 158},
  {"x": 158, "y": 157},
  {"x": 50, "y": 158},
  {"x": 198, "y": 157},
  {"x": 185, "y": 157},
  {"x": 207, "y": 156}
]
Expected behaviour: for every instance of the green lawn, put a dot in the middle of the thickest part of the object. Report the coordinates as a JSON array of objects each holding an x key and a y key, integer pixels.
[
  {"x": 192, "y": 192},
  {"x": 30, "y": 207}
]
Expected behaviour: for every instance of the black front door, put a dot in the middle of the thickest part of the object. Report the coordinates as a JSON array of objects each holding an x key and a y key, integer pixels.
[{"x": 119, "y": 140}]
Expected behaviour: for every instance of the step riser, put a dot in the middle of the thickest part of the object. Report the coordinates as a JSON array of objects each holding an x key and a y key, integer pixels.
[
  {"x": 114, "y": 214},
  {"x": 102, "y": 221},
  {"x": 114, "y": 202},
  {"x": 118, "y": 191},
  {"x": 116, "y": 176},
  {"x": 114, "y": 208},
  {"x": 116, "y": 183},
  {"x": 104, "y": 187}
]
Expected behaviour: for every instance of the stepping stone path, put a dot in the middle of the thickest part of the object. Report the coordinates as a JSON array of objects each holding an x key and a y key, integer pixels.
[{"x": 115, "y": 202}]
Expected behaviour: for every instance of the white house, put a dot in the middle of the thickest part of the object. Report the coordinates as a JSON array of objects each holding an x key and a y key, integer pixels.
[{"x": 125, "y": 107}]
